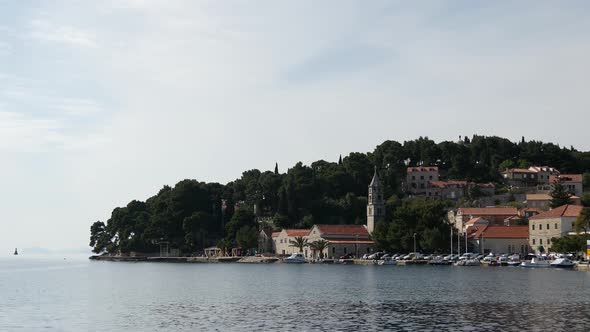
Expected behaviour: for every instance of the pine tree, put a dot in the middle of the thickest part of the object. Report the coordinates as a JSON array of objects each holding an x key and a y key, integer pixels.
[
  {"x": 559, "y": 196},
  {"x": 340, "y": 160}
]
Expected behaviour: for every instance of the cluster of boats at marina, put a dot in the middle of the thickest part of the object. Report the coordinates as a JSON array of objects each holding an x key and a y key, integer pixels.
[{"x": 466, "y": 259}]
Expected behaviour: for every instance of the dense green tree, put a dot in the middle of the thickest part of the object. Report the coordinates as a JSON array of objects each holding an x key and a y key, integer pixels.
[
  {"x": 582, "y": 223},
  {"x": 242, "y": 217},
  {"x": 570, "y": 243},
  {"x": 99, "y": 237},
  {"x": 559, "y": 195},
  {"x": 197, "y": 229},
  {"x": 247, "y": 237}
]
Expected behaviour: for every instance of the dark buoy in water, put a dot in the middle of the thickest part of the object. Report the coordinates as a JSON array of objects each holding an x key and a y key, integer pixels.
[{"x": 15, "y": 251}]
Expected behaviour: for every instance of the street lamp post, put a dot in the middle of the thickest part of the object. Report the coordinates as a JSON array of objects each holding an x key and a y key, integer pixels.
[
  {"x": 414, "y": 243},
  {"x": 356, "y": 245},
  {"x": 451, "y": 240}
]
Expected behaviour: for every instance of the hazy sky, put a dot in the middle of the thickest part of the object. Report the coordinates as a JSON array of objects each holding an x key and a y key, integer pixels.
[{"x": 102, "y": 102}]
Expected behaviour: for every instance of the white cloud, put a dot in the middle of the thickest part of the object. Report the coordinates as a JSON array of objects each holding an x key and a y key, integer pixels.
[
  {"x": 208, "y": 89},
  {"x": 46, "y": 31},
  {"x": 77, "y": 106}
]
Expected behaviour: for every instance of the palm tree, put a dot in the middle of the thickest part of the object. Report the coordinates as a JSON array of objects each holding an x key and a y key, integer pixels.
[
  {"x": 319, "y": 246},
  {"x": 298, "y": 242}
]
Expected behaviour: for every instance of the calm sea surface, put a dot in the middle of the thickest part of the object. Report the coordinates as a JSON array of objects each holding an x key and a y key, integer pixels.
[{"x": 80, "y": 295}]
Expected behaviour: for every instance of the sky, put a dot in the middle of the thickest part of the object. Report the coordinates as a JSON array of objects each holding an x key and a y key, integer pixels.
[{"x": 103, "y": 102}]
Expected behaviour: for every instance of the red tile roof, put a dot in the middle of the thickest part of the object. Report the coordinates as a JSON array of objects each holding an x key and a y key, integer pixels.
[
  {"x": 275, "y": 234},
  {"x": 519, "y": 170},
  {"x": 297, "y": 232},
  {"x": 538, "y": 197},
  {"x": 343, "y": 230},
  {"x": 566, "y": 178},
  {"x": 562, "y": 211},
  {"x": 499, "y": 232},
  {"x": 350, "y": 241},
  {"x": 443, "y": 184},
  {"x": 489, "y": 211}
]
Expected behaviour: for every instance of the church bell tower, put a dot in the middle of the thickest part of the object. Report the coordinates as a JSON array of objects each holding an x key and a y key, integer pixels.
[{"x": 375, "y": 203}]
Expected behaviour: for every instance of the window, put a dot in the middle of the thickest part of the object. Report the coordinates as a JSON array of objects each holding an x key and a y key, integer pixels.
[
  {"x": 533, "y": 225},
  {"x": 555, "y": 225},
  {"x": 533, "y": 241},
  {"x": 547, "y": 226},
  {"x": 413, "y": 177},
  {"x": 541, "y": 241},
  {"x": 333, "y": 250},
  {"x": 548, "y": 241},
  {"x": 421, "y": 185},
  {"x": 540, "y": 226},
  {"x": 344, "y": 250},
  {"x": 421, "y": 177},
  {"x": 430, "y": 177}
]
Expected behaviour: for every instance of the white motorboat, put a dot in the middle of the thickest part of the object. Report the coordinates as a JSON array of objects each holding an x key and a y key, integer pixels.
[
  {"x": 562, "y": 263},
  {"x": 296, "y": 258},
  {"x": 468, "y": 262},
  {"x": 387, "y": 261},
  {"x": 535, "y": 262}
]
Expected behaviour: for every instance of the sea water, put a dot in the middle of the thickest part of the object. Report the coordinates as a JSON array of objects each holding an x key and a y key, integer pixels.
[{"x": 75, "y": 294}]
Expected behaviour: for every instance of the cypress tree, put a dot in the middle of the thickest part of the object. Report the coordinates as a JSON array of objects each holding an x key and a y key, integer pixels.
[
  {"x": 277, "y": 168},
  {"x": 559, "y": 196}
]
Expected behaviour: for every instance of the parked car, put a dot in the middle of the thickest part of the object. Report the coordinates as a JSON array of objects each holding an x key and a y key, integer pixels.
[
  {"x": 365, "y": 256},
  {"x": 347, "y": 256},
  {"x": 376, "y": 255}
]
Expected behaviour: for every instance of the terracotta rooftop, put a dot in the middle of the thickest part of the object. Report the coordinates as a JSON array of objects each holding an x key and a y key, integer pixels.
[
  {"x": 538, "y": 197},
  {"x": 423, "y": 169},
  {"x": 519, "y": 170},
  {"x": 566, "y": 178},
  {"x": 297, "y": 232},
  {"x": 275, "y": 234},
  {"x": 499, "y": 232},
  {"x": 544, "y": 169},
  {"x": 562, "y": 211},
  {"x": 490, "y": 211},
  {"x": 443, "y": 184},
  {"x": 343, "y": 230}
]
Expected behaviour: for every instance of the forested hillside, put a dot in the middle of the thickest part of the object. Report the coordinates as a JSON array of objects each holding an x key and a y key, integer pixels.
[{"x": 192, "y": 215}]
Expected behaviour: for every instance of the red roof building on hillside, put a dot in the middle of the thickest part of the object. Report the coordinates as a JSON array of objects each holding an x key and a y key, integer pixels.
[
  {"x": 500, "y": 232},
  {"x": 327, "y": 231},
  {"x": 495, "y": 215},
  {"x": 562, "y": 211},
  {"x": 499, "y": 239},
  {"x": 572, "y": 182}
]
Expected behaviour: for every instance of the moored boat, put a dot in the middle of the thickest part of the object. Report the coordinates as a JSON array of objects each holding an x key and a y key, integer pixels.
[
  {"x": 468, "y": 262},
  {"x": 387, "y": 261},
  {"x": 535, "y": 262},
  {"x": 296, "y": 258},
  {"x": 562, "y": 263}
]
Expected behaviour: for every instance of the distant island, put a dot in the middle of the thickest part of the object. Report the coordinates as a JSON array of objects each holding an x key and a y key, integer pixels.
[{"x": 471, "y": 172}]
